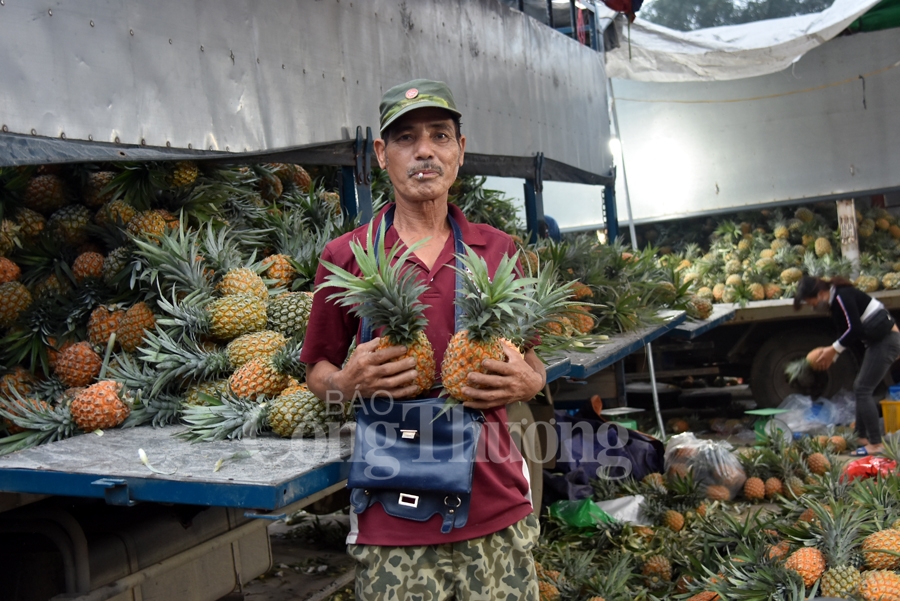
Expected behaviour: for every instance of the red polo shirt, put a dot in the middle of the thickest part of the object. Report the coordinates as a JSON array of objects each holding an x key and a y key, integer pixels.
[{"x": 500, "y": 488}]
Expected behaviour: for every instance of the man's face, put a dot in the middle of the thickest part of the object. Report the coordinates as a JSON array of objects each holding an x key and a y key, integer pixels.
[{"x": 422, "y": 156}]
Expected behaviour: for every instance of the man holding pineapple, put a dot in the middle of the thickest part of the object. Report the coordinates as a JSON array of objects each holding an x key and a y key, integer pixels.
[{"x": 422, "y": 150}]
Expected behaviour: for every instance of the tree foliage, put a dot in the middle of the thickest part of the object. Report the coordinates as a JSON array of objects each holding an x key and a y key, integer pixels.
[{"x": 688, "y": 15}]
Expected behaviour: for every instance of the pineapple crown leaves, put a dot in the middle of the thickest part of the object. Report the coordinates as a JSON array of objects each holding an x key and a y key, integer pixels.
[
  {"x": 493, "y": 307},
  {"x": 551, "y": 300},
  {"x": 179, "y": 360},
  {"x": 287, "y": 359},
  {"x": 176, "y": 262},
  {"x": 42, "y": 424},
  {"x": 387, "y": 292},
  {"x": 227, "y": 418},
  {"x": 158, "y": 411}
]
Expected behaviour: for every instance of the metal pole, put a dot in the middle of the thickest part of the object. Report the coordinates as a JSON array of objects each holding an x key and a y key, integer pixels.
[
  {"x": 615, "y": 115},
  {"x": 662, "y": 429},
  {"x": 550, "y": 13},
  {"x": 573, "y": 19}
]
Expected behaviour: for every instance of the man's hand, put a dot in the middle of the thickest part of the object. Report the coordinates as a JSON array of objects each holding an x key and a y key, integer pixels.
[
  {"x": 370, "y": 371},
  {"x": 518, "y": 379}
]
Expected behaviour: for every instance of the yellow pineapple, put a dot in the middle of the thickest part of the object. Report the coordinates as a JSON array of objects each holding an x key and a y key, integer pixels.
[
  {"x": 300, "y": 413},
  {"x": 9, "y": 237},
  {"x": 243, "y": 281},
  {"x": 147, "y": 224},
  {"x": 840, "y": 528},
  {"x": 490, "y": 310},
  {"x": 657, "y": 571},
  {"x": 70, "y": 224},
  {"x": 818, "y": 464},
  {"x": 673, "y": 520},
  {"x": 754, "y": 489},
  {"x": 387, "y": 295},
  {"x": 183, "y": 174},
  {"x": 255, "y": 345}
]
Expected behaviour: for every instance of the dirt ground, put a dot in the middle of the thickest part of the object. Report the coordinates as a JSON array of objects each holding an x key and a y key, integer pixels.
[{"x": 309, "y": 562}]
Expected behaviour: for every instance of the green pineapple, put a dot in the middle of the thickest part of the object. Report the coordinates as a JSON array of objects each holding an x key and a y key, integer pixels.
[
  {"x": 387, "y": 294},
  {"x": 288, "y": 313},
  {"x": 841, "y": 529}
]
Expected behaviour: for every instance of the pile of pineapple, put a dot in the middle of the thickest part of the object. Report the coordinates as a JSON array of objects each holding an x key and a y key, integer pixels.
[
  {"x": 761, "y": 255},
  {"x": 136, "y": 293},
  {"x": 161, "y": 293},
  {"x": 800, "y": 530}
]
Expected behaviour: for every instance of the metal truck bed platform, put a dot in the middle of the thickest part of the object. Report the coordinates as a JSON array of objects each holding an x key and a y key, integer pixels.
[
  {"x": 269, "y": 473},
  {"x": 692, "y": 328}
]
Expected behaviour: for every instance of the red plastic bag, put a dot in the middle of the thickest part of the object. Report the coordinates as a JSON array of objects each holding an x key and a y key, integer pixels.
[{"x": 869, "y": 467}]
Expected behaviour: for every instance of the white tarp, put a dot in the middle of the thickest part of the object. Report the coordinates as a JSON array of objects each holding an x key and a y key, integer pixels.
[{"x": 661, "y": 54}]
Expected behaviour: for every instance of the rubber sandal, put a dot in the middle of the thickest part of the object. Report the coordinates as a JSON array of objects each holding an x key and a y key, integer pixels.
[{"x": 863, "y": 452}]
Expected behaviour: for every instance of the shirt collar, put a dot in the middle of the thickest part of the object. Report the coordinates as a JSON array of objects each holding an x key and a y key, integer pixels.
[{"x": 471, "y": 235}]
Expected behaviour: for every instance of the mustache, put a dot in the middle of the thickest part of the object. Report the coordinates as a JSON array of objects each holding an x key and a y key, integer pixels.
[{"x": 426, "y": 166}]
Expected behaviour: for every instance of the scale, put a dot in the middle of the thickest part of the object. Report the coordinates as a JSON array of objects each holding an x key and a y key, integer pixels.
[
  {"x": 767, "y": 424},
  {"x": 616, "y": 415}
]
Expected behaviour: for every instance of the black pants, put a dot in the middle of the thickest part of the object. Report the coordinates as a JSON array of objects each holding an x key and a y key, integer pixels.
[{"x": 876, "y": 362}]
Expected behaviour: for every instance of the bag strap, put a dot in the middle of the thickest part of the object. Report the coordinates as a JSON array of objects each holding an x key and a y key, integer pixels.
[{"x": 366, "y": 328}]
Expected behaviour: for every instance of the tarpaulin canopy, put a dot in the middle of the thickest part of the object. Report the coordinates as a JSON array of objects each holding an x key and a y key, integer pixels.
[
  {"x": 884, "y": 16},
  {"x": 651, "y": 52}
]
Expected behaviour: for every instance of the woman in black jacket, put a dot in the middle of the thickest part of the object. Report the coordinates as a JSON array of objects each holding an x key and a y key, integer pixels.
[{"x": 859, "y": 318}]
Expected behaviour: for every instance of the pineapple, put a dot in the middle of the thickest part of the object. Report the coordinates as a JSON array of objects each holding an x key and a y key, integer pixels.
[
  {"x": 46, "y": 194},
  {"x": 809, "y": 562},
  {"x": 147, "y": 224},
  {"x": 138, "y": 319},
  {"x": 9, "y": 271},
  {"x": 103, "y": 323},
  {"x": 657, "y": 571},
  {"x": 818, "y": 464},
  {"x": 225, "y": 318},
  {"x": 822, "y": 244},
  {"x": 183, "y": 174},
  {"x": 88, "y": 266},
  {"x": 258, "y": 377},
  {"x": 78, "y": 365},
  {"x": 95, "y": 191},
  {"x": 279, "y": 268},
  {"x": 840, "y": 529},
  {"x": 9, "y": 237},
  {"x": 299, "y": 413},
  {"x": 804, "y": 214},
  {"x": 196, "y": 394},
  {"x": 114, "y": 264},
  {"x": 673, "y": 520},
  {"x": 867, "y": 283},
  {"x": 288, "y": 313},
  {"x": 256, "y": 345},
  {"x": 879, "y": 585},
  {"x": 754, "y": 489},
  {"x": 99, "y": 406},
  {"x": 243, "y": 281},
  {"x": 386, "y": 294},
  {"x": 883, "y": 540},
  {"x": 115, "y": 212},
  {"x": 70, "y": 224},
  {"x": 489, "y": 309},
  {"x": 14, "y": 300},
  {"x": 717, "y": 492},
  {"x": 891, "y": 281},
  {"x": 31, "y": 223}
]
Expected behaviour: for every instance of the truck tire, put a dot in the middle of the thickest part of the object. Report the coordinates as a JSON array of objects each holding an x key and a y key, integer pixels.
[{"x": 767, "y": 380}]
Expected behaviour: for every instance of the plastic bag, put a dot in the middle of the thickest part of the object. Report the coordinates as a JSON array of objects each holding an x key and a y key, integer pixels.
[
  {"x": 714, "y": 467},
  {"x": 844, "y": 408},
  {"x": 869, "y": 467},
  {"x": 580, "y": 514},
  {"x": 625, "y": 509},
  {"x": 804, "y": 415}
]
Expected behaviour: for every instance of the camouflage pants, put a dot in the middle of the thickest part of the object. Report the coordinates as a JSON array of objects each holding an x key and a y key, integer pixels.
[{"x": 497, "y": 567}]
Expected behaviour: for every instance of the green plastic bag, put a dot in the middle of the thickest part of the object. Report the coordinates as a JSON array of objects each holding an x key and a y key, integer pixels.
[{"x": 580, "y": 514}]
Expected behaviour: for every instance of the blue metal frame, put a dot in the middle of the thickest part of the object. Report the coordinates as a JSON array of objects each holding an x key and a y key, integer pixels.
[
  {"x": 128, "y": 491},
  {"x": 356, "y": 181},
  {"x": 605, "y": 359},
  {"x": 610, "y": 214}
]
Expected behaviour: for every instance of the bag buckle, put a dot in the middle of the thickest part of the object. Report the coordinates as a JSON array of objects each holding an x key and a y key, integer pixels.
[
  {"x": 408, "y": 434},
  {"x": 408, "y": 500}
]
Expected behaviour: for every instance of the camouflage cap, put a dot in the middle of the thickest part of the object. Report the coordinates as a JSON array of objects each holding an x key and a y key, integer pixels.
[{"x": 412, "y": 95}]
